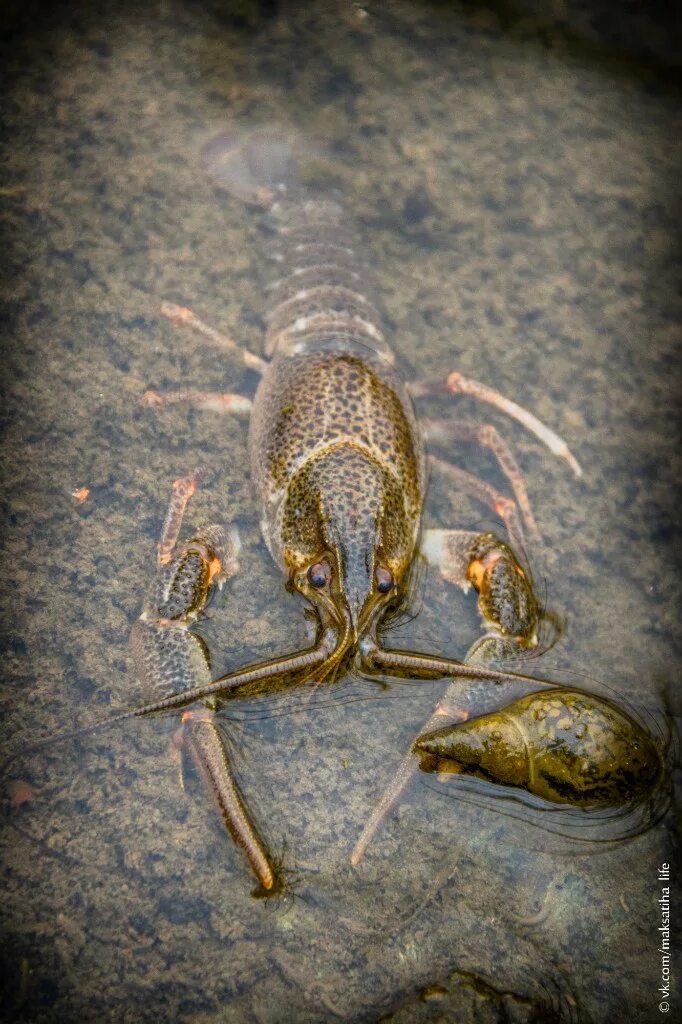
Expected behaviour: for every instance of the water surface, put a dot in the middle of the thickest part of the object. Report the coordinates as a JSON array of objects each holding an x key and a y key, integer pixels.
[{"x": 514, "y": 180}]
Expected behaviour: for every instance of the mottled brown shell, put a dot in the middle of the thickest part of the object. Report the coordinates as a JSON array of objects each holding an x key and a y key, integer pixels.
[
  {"x": 333, "y": 439},
  {"x": 565, "y": 746}
]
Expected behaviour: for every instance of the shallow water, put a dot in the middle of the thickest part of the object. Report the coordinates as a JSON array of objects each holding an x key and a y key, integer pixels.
[{"x": 514, "y": 179}]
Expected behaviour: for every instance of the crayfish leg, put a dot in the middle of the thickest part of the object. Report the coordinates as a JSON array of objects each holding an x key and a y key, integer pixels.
[
  {"x": 448, "y": 432},
  {"x": 171, "y": 659},
  {"x": 181, "y": 316},
  {"x": 498, "y": 503},
  {"x": 457, "y": 384},
  {"x": 510, "y": 615}
]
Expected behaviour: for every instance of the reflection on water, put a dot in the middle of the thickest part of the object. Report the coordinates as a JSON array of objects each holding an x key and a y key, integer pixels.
[{"x": 513, "y": 176}]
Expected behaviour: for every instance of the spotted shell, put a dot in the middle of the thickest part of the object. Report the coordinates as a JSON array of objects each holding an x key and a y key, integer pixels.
[{"x": 562, "y": 745}]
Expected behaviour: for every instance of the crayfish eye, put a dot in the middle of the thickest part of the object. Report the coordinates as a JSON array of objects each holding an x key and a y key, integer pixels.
[
  {"x": 385, "y": 581},
  {"x": 319, "y": 574}
]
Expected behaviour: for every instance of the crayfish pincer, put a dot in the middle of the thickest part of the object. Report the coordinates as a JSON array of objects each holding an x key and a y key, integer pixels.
[{"x": 562, "y": 745}]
